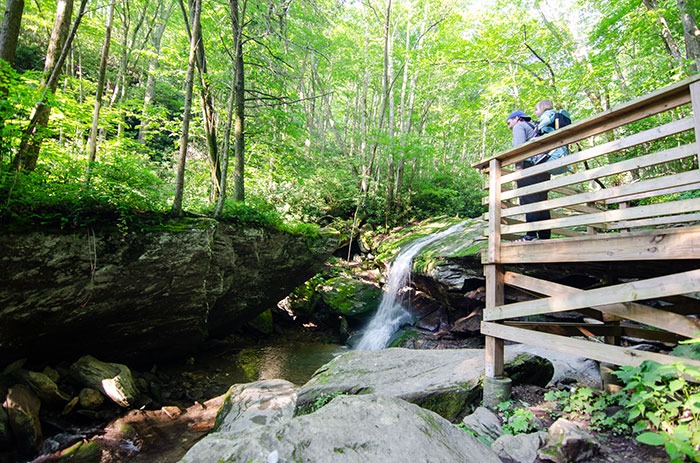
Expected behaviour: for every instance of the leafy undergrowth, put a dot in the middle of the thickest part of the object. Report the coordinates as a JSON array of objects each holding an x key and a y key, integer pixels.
[{"x": 653, "y": 417}]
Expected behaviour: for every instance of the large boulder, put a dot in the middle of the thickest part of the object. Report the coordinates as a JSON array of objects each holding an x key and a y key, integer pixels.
[
  {"x": 142, "y": 294},
  {"x": 446, "y": 381},
  {"x": 349, "y": 429}
]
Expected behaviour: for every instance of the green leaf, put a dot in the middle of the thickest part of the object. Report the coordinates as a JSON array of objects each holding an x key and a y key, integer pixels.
[
  {"x": 676, "y": 385},
  {"x": 651, "y": 438}
]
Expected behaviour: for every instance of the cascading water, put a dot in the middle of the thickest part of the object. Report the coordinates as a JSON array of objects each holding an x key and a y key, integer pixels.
[{"x": 392, "y": 313}]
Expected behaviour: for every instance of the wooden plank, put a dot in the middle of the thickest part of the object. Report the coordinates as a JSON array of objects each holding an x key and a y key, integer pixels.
[
  {"x": 667, "y": 191},
  {"x": 596, "y": 351},
  {"x": 645, "y": 136},
  {"x": 679, "y": 283},
  {"x": 597, "y": 330},
  {"x": 633, "y": 213},
  {"x": 660, "y": 157},
  {"x": 642, "y": 108},
  {"x": 657, "y": 318},
  {"x": 683, "y": 305},
  {"x": 655, "y": 222},
  {"x": 671, "y": 243},
  {"x": 648, "y": 186}
]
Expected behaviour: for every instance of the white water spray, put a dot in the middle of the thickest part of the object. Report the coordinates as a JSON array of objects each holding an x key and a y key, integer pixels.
[{"x": 391, "y": 313}]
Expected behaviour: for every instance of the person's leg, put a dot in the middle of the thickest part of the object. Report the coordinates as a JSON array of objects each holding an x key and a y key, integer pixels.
[{"x": 534, "y": 198}]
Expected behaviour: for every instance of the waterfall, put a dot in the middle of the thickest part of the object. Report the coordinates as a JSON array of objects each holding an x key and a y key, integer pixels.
[{"x": 392, "y": 314}]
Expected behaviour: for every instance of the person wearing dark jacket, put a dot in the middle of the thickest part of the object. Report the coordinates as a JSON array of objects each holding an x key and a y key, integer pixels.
[{"x": 519, "y": 123}]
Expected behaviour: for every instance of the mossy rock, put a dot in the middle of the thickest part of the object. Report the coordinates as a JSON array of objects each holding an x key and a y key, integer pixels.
[
  {"x": 530, "y": 369},
  {"x": 263, "y": 323},
  {"x": 349, "y": 297}
]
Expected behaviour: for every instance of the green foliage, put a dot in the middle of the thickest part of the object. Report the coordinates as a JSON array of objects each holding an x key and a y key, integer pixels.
[
  {"x": 319, "y": 140},
  {"x": 658, "y": 403},
  {"x": 516, "y": 420},
  {"x": 665, "y": 406}
]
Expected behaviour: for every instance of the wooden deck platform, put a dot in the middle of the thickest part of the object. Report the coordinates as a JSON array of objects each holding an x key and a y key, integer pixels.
[{"x": 630, "y": 197}]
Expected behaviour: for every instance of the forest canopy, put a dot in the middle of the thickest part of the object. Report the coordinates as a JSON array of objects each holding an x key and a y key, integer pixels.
[{"x": 303, "y": 110}]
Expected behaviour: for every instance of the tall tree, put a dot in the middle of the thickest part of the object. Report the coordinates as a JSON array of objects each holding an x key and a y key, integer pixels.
[
  {"x": 9, "y": 33},
  {"x": 186, "y": 113},
  {"x": 237, "y": 13},
  {"x": 150, "y": 91},
  {"x": 92, "y": 143},
  {"x": 59, "y": 44},
  {"x": 691, "y": 32}
]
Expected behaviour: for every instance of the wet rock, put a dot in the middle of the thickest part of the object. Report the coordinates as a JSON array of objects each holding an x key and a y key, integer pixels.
[
  {"x": 22, "y": 407},
  {"x": 5, "y": 431},
  {"x": 113, "y": 379},
  {"x": 350, "y": 298},
  {"x": 566, "y": 442},
  {"x": 44, "y": 387},
  {"x": 90, "y": 399},
  {"x": 469, "y": 325},
  {"x": 349, "y": 429}
]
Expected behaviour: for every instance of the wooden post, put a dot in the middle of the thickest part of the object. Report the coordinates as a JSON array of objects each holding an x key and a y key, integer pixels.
[
  {"x": 492, "y": 271},
  {"x": 494, "y": 298},
  {"x": 695, "y": 102}
]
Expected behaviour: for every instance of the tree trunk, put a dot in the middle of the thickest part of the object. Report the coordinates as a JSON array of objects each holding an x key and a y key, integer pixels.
[
  {"x": 388, "y": 88},
  {"x": 60, "y": 41},
  {"x": 239, "y": 85},
  {"x": 669, "y": 42},
  {"x": 150, "y": 91},
  {"x": 208, "y": 111},
  {"x": 184, "y": 137},
  {"x": 225, "y": 148},
  {"x": 92, "y": 144},
  {"x": 691, "y": 32},
  {"x": 9, "y": 34}
]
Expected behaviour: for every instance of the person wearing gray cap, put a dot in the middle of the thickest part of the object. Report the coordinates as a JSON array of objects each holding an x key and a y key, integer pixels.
[{"x": 519, "y": 123}]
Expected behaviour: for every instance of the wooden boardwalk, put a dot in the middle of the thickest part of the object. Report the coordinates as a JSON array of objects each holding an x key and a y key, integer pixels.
[{"x": 630, "y": 197}]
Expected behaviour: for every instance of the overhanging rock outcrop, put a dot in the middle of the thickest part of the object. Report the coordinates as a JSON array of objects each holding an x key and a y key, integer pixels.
[{"x": 143, "y": 295}]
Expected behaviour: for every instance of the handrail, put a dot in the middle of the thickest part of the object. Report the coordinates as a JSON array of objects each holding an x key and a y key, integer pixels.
[
  {"x": 648, "y": 105},
  {"x": 605, "y": 197}
]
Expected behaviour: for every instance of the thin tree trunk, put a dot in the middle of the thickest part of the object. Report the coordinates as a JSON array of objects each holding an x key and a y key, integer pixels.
[
  {"x": 669, "y": 42},
  {"x": 59, "y": 46},
  {"x": 92, "y": 144},
  {"x": 208, "y": 111},
  {"x": 184, "y": 137},
  {"x": 691, "y": 32},
  {"x": 239, "y": 84},
  {"x": 150, "y": 91},
  {"x": 226, "y": 148},
  {"x": 389, "y": 99},
  {"x": 9, "y": 35}
]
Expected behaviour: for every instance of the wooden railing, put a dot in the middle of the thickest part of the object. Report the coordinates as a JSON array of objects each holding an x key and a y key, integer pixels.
[{"x": 630, "y": 193}]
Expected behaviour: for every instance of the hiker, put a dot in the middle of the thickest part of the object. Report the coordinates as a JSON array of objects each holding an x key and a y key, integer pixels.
[{"x": 523, "y": 130}]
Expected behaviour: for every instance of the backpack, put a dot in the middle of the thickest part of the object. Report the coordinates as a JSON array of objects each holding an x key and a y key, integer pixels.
[{"x": 551, "y": 121}]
